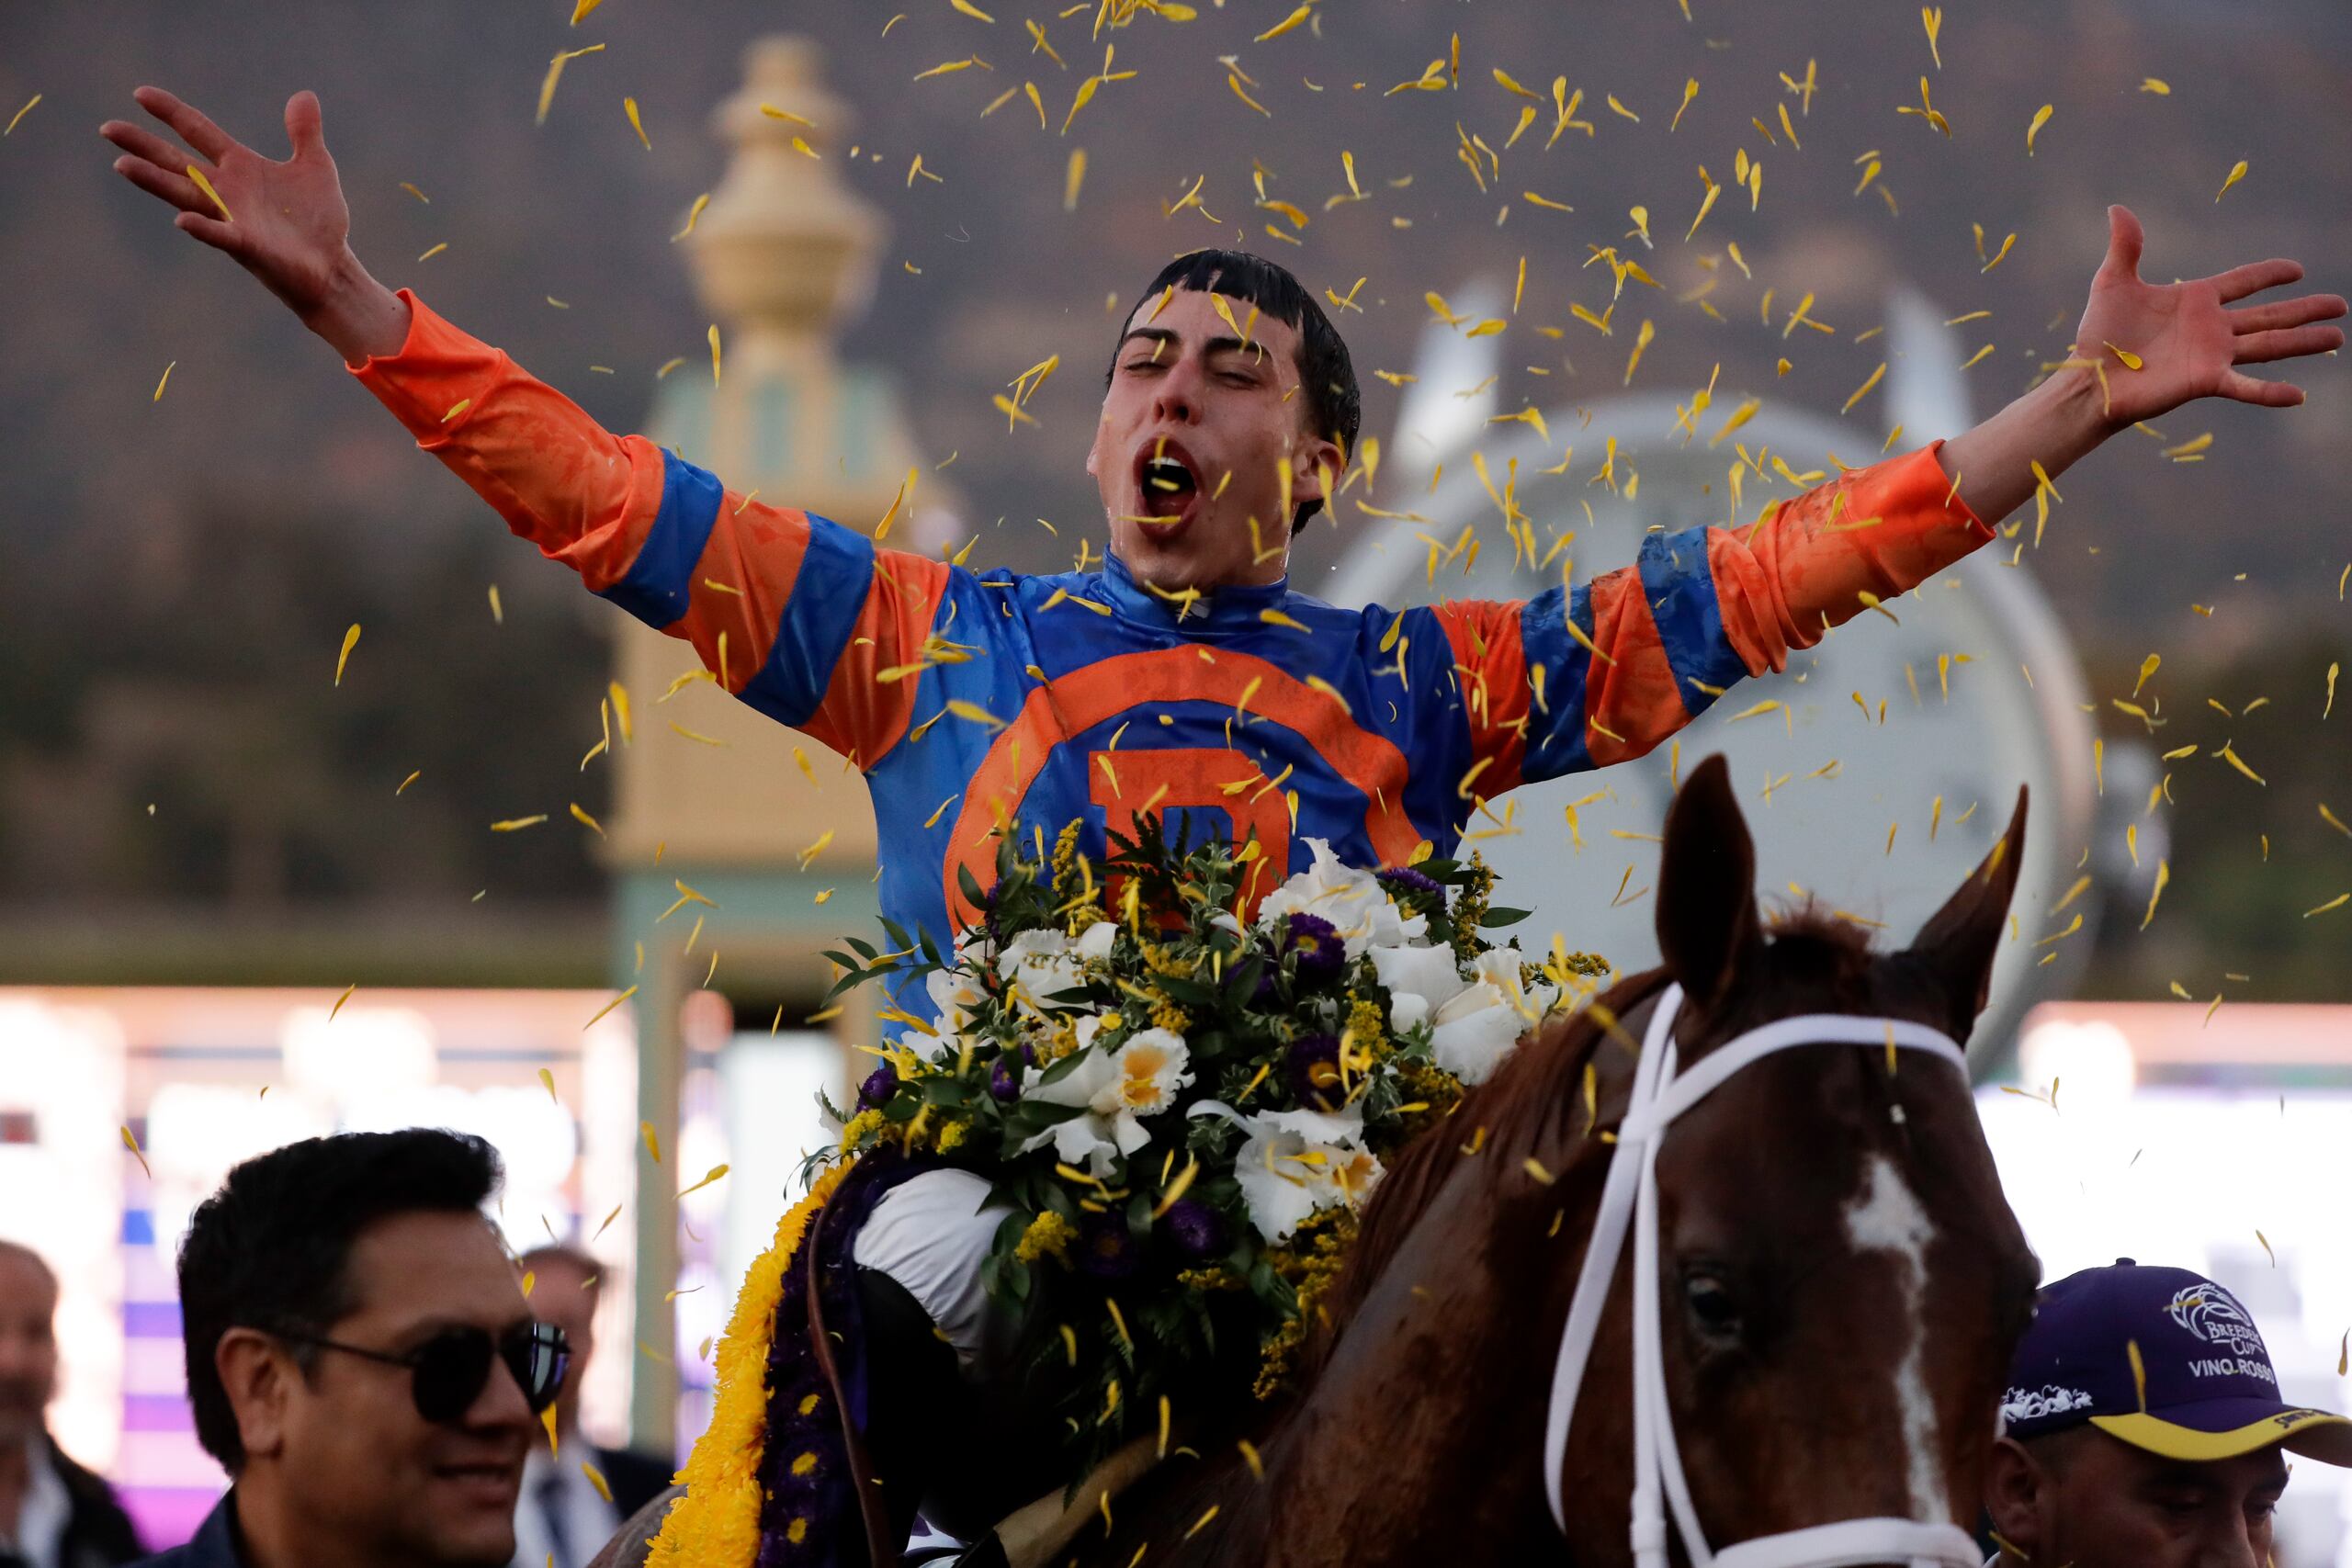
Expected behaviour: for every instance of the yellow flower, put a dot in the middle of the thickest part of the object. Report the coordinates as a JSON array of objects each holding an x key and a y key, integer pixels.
[
  {"x": 858, "y": 1126},
  {"x": 1049, "y": 1235},
  {"x": 951, "y": 1136}
]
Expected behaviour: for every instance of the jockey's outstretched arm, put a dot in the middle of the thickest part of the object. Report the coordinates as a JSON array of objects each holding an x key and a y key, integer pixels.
[
  {"x": 1579, "y": 680},
  {"x": 793, "y": 614}
]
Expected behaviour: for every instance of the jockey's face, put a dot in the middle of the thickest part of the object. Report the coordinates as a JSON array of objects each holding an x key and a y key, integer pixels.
[{"x": 1226, "y": 407}]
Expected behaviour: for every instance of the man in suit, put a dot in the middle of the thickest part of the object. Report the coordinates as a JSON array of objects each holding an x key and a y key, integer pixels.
[
  {"x": 53, "y": 1514},
  {"x": 360, "y": 1359},
  {"x": 563, "y": 1515}
]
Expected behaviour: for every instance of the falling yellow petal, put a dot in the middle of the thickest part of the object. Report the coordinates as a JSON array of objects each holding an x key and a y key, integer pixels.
[
  {"x": 1072, "y": 178},
  {"x": 2336, "y": 903},
  {"x": 161, "y": 382},
  {"x": 652, "y": 1140},
  {"x": 1933, "y": 17},
  {"x": 2233, "y": 760},
  {"x": 516, "y": 824},
  {"x": 21, "y": 113},
  {"x": 420, "y": 774},
  {"x": 132, "y": 1143},
  {"x": 1864, "y": 390},
  {"x": 555, "y": 75},
  {"x": 714, "y": 354},
  {"x": 2155, "y": 85},
  {"x": 580, "y": 10},
  {"x": 547, "y": 1078},
  {"x": 2163, "y": 874},
  {"x": 971, "y": 10},
  {"x": 350, "y": 641},
  {"x": 2237, "y": 172},
  {"x": 2040, "y": 118},
  {"x": 584, "y": 820},
  {"x": 341, "y": 999},
  {"x": 1689, "y": 91},
  {"x": 205, "y": 187},
  {"x": 635, "y": 123},
  {"x": 2130, "y": 360},
  {"x": 1286, "y": 25}
]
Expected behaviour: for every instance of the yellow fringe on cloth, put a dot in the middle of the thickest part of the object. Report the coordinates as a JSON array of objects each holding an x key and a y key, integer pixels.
[{"x": 717, "y": 1523}]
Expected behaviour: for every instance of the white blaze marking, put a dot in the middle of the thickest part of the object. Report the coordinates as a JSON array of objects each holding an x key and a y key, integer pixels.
[{"x": 1886, "y": 1217}]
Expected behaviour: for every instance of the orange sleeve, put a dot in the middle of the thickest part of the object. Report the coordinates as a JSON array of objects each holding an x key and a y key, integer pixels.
[
  {"x": 800, "y": 617},
  {"x": 1802, "y": 568}
]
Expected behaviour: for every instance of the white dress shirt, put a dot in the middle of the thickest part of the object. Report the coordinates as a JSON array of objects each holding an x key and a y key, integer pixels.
[
  {"x": 45, "y": 1512},
  {"x": 588, "y": 1521}
]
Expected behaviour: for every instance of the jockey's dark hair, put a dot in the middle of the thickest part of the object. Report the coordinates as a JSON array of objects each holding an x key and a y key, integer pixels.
[
  {"x": 270, "y": 1250},
  {"x": 1327, "y": 375}
]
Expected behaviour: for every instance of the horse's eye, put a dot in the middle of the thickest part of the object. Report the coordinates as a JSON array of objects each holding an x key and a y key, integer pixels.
[{"x": 1712, "y": 1309}]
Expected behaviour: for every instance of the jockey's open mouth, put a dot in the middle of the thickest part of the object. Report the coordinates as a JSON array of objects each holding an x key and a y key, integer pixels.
[{"x": 1168, "y": 485}]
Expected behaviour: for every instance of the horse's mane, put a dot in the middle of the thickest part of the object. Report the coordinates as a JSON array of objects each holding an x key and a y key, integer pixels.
[{"x": 1535, "y": 1088}]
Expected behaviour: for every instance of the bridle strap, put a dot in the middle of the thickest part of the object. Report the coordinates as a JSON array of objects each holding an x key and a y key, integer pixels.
[{"x": 1629, "y": 1199}]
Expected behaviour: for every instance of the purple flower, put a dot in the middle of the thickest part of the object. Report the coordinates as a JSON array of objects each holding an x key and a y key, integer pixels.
[
  {"x": 1404, "y": 882},
  {"x": 1197, "y": 1230},
  {"x": 1001, "y": 1083},
  {"x": 1318, "y": 945},
  {"x": 879, "y": 1086},
  {"x": 1105, "y": 1249},
  {"x": 1312, "y": 1069}
]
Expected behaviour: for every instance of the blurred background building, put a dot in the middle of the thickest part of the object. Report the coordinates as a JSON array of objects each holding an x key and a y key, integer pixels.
[{"x": 202, "y": 844}]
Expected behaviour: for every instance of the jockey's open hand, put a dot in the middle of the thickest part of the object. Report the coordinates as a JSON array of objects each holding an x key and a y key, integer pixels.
[
  {"x": 2189, "y": 341},
  {"x": 286, "y": 222}
]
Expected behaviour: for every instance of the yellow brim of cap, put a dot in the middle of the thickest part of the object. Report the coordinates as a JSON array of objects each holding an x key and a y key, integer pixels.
[{"x": 2313, "y": 1433}]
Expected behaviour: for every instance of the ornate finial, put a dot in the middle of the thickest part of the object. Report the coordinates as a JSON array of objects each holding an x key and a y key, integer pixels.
[{"x": 785, "y": 248}]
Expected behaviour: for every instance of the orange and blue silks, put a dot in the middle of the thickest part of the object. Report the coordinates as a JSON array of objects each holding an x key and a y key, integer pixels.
[{"x": 1032, "y": 701}]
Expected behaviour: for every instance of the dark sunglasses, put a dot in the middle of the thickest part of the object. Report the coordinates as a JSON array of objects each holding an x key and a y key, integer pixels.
[{"x": 448, "y": 1371}]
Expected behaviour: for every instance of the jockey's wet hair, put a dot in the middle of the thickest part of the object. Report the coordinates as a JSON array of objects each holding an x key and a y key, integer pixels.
[
  {"x": 269, "y": 1250},
  {"x": 1326, "y": 375}
]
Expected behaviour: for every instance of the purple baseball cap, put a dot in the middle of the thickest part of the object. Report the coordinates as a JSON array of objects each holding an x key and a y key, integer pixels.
[{"x": 2203, "y": 1388}]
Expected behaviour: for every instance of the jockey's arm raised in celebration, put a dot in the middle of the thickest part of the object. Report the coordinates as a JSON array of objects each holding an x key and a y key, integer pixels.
[{"x": 1185, "y": 676}]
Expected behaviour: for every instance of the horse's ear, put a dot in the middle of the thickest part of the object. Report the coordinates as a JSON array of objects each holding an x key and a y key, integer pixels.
[
  {"x": 1708, "y": 929},
  {"x": 1959, "y": 941}
]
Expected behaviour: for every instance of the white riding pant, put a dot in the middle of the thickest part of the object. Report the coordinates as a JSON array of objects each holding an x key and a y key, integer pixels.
[{"x": 930, "y": 1234}]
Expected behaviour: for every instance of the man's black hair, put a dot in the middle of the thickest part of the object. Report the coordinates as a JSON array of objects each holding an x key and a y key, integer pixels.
[
  {"x": 269, "y": 1250},
  {"x": 1326, "y": 375}
]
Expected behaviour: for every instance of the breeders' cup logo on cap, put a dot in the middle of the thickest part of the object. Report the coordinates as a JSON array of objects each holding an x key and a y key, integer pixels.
[{"x": 2214, "y": 1316}]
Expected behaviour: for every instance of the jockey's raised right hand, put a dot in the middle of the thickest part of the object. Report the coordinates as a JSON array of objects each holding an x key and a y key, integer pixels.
[{"x": 286, "y": 223}]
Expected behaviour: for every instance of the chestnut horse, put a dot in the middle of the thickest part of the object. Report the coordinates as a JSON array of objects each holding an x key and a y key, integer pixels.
[{"x": 1841, "y": 1281}]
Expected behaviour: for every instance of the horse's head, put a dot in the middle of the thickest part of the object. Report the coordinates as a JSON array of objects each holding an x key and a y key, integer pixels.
[{"x": 1840, "y": 1280}]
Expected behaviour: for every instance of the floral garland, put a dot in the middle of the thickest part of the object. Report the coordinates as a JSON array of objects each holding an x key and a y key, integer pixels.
[
  {"x": 1181, "y": 1110},
  {"x": 717, "y": 1520}
]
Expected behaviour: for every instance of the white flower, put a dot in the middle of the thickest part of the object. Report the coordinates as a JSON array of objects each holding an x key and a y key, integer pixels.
[
  {"x": 953, "y": 994},
  {"x": 1095, "y": 940},
  {"x": 1118, "y": 1088},
  {"x": 1297, "y": 1162},
  {"x": 1041, "y": 965},
  {"x": 1477, "y": 1026},
  {"x": 1351, "y": 899},
  {"x": 1286, "y": 1176}
]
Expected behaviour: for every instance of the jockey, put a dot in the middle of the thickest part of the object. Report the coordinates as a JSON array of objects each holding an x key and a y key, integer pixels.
[
  {"x": 1186, "y": 677},
  {"x": 2143, "y": 1428}
]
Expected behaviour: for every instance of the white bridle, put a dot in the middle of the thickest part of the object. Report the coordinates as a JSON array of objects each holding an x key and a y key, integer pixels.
[{"x": 1660, "y": 1095}]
